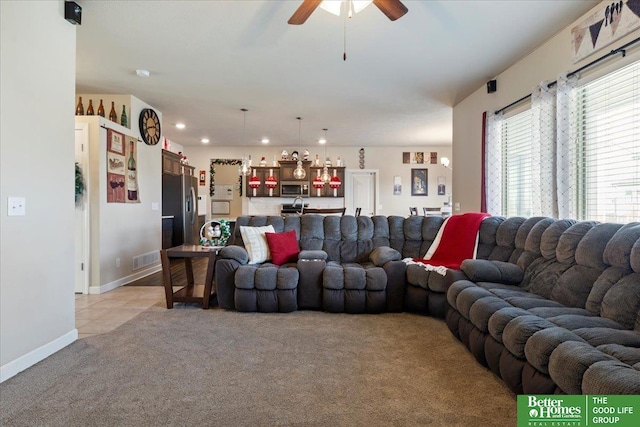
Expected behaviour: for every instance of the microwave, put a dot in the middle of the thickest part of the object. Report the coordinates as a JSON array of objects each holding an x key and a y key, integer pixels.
[{"x": 294, "y": 188}]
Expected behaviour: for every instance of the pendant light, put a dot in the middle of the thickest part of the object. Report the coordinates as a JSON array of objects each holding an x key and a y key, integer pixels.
[
  {"x": 326, "y": 176},
  {"x": 299, "y": 172},
  {"x": 245, "y": 166}
]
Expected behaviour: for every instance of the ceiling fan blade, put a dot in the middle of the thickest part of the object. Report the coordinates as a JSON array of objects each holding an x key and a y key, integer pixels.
[
  {"x": 304, "y": 11},
  {"x": 394, "y": 9}
]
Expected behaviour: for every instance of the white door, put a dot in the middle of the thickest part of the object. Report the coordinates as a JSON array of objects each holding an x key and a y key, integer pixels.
[
  {"x": 81, "y": 265},
  {"x": 362, "y": 191}
]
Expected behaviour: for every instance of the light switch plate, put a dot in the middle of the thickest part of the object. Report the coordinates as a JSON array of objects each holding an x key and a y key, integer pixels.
[
  {"x": 16, "y": 206},
  {"x": 155, "y": 206},
  {"x": 456, "y": 206}
]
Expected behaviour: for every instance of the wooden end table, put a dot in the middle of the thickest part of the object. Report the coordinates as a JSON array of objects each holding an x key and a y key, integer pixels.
[{"x": 190, "y": 292}]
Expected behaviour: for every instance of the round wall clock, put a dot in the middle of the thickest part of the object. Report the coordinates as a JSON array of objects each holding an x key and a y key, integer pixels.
[{"x": 149, "y": 126}]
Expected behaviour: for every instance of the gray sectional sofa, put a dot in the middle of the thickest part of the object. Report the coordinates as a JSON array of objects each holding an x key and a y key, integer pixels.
[
  {"x": 551, "y": 306},
  {"x": 564, "y": 317}
]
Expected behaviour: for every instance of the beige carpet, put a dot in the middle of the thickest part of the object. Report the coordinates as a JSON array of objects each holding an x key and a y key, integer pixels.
[{"x": 188, "y": 367}]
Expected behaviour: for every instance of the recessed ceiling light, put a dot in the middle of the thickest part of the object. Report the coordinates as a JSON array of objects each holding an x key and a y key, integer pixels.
[
  {"x": 322, "y": 141},
  {"x": 142, "y": 73},
  {"x": 180, "y": 125},
  {"x": 205, "y": 140},
  {"x": 265, "y": 140}
]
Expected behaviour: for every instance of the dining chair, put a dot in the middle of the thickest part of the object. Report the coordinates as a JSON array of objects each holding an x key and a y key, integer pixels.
[
  {"x": 432, "y": 211},
  {"x": 358, "y": 210},
  {"x": 413, "y": 211}
]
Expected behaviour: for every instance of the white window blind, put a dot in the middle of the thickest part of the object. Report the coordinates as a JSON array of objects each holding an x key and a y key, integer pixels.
[
  {"x": 516, "y": 165},
  {"x": 608, "y": 147}
]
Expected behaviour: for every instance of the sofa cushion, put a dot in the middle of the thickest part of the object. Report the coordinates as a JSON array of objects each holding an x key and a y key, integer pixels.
[
  {"x": 382, "y": 255},
  {"x": 611, "y": 377},
  {"x": 569, "y": 361},
  {"x": 628, "y": 355},
  {"x": 283, "y": 247},
  {"x": 541, "y": 344},
  {"x": 237, "y": 253},
  {"x": 482, "y": 270},
  {"x": 255, "y": 243}
]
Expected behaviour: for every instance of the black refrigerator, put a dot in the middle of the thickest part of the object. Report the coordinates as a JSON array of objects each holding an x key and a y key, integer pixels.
[{"x": 180, "y": 200}]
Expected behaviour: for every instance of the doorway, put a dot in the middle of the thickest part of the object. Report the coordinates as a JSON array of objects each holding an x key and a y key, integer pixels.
[
  {"x": 81, "y": 264},
  {"x": 361, "y": 191}
]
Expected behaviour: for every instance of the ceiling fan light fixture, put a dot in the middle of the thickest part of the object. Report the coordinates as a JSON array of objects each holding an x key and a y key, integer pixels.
[{"x": 335, "y": 6}]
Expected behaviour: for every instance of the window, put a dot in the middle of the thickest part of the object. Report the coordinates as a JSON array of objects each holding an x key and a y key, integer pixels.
[
  {"x": 608, "y": 147},
  {"x": 516, "y": 165}
]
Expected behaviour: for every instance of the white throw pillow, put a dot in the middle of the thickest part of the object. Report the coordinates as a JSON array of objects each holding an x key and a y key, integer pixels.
[{"x": 255, "y": 242}]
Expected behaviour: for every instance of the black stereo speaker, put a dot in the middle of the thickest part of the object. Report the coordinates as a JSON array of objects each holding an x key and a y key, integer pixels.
[
  {"x": 73, "y": 12},
  {"x": 492, "y": 86}
]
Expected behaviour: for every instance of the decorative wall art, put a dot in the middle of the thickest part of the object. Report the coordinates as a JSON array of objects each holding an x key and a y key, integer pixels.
[
  {"x": 442, "y": 185},
  {"x": 397, "y": 185},
  {"x": 203, "y": 177},
  {"x": 414, "y": 158},
  {"x": 433, "y": 158},
  {"x": 419, "y": 182},
  {"x": 122, "y": 180},
  {"x": 212, "y": 174},
  {"x": 611, "y": 22},
  {"x": 361, "y": 156}
]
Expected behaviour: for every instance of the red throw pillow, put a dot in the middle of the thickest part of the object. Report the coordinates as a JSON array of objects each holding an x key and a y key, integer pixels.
[{"x": 283, "y": 247}]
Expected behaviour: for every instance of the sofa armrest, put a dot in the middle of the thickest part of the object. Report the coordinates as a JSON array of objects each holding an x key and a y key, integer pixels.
[
  {"x": 383, "y": 254},
  {"x": 482, "y": 270},
  {"x": 237, "y": 253},
  {"x": 312, "y": 255}
]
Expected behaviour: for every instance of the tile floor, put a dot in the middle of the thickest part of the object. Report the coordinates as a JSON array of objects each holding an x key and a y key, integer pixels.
[{"x": 97, "y": 314}]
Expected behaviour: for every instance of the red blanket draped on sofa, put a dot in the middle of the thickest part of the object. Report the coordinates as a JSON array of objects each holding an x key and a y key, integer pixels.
[{"x": 455, "y": 242}]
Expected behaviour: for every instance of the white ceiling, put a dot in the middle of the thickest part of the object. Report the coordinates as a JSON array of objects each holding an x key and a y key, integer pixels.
[{"x": 209, "y": 59}]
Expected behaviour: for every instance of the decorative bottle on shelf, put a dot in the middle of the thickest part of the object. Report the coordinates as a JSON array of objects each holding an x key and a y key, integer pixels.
[
  {"x": 90, "y": 108},
  {"x": 101, "y": 109},
  {"x": 79, "y": 108},
  {"x": 317, "y": 162},
  {"x": 132, "y": 183},
  {"x": 112, "y": 114},
  {"x": 123, "y": 118}
]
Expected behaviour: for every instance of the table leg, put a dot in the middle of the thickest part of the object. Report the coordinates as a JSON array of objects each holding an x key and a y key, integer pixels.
[
  {"x": 211, "y": 266},
  {"x": 166, "y": 275},
  {"x": 189, "y": 270}
]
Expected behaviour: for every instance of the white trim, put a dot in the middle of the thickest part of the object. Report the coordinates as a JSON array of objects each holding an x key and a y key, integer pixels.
[
  {"x": 124, "y": 280},
  {"x": 18, "y": 365}
]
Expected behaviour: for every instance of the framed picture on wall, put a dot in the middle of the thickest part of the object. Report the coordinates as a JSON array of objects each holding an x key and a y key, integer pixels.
[
  {"x": 419, "y": 182},
  {"x": 397, "y": 185}
]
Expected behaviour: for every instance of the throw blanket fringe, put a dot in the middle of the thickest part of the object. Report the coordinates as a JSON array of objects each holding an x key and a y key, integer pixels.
[{"x": 440, "y": 269}]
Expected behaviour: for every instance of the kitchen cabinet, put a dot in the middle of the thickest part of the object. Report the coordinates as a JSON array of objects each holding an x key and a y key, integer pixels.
[
  {"x": 171, "y": 163},
  {"x": 288, "y": 166},
  {"x": 327, "y": 191},
  {"x": 262, "y": 172}
]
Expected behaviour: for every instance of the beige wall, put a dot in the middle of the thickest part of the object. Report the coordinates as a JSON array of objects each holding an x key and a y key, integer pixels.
[
  {"x": 387, "y": 160},
  {"x": 544, "y": 63},
  {"x": 37, "y": 77},
  {"x": 122, "y": 230}
]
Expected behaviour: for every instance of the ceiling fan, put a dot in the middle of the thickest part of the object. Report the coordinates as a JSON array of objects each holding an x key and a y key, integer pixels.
[{"x": 394, "y": 9}]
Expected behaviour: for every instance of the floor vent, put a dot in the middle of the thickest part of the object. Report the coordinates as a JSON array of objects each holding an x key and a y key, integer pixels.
[{"x": 144, "y": 260}]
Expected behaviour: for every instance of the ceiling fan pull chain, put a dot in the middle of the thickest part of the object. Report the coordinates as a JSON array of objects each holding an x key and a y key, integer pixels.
[{"x": 344, "y": 54}]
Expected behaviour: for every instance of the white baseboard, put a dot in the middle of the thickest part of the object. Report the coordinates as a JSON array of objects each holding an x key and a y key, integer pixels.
[
  {"x": 124, "y": 280},
  {"x": 23, "y": 362}
]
